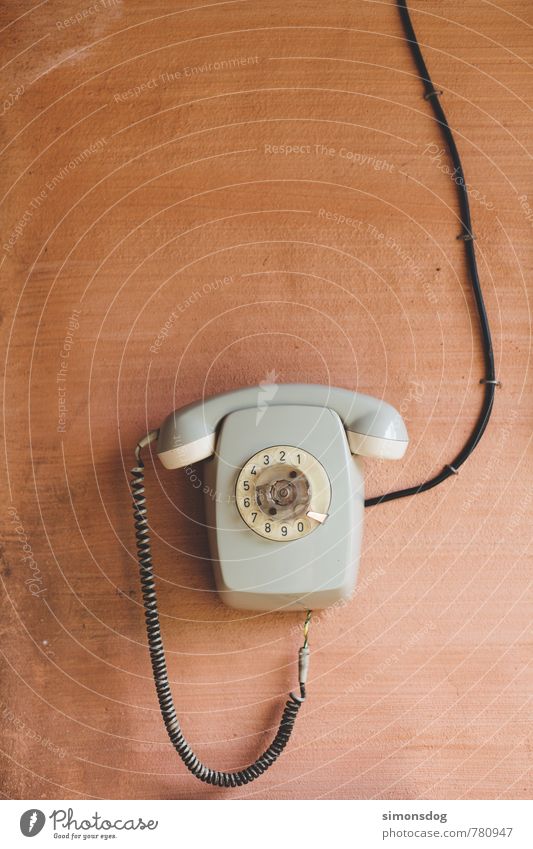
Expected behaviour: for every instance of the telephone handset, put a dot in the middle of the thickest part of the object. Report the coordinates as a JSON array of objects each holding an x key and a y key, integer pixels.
[{"x": 283, "y": 487}]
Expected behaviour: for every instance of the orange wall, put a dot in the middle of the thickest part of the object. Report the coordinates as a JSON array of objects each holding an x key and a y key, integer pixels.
[{"x": 418, "y": 687}]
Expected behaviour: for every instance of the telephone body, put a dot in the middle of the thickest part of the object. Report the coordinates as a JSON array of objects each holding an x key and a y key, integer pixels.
[{"x": 284, "y": 488}]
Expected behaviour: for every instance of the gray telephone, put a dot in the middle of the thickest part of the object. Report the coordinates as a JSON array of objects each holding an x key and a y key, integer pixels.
[{"x": 283, "y": 487}]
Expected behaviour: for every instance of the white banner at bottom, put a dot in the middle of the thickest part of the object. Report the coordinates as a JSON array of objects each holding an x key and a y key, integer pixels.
[{"x": 262, "y": 824}]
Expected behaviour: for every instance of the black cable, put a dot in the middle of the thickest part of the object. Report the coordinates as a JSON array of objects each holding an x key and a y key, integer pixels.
[
  {"x": 432, "y": 94},
  {"x": 159, "y": 666}
]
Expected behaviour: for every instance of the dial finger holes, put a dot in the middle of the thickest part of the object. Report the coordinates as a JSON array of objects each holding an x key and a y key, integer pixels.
[{"x": 279, "y": 492}]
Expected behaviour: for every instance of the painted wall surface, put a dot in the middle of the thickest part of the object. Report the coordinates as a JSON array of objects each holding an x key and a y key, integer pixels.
[{"x": 202, "y": 200}]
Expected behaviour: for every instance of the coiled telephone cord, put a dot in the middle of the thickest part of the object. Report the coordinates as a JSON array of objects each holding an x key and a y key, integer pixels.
[{"x": 159, "y": 666}]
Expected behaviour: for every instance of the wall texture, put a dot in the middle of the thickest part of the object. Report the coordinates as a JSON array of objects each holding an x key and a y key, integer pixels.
[{"x": 197, "y": 200}]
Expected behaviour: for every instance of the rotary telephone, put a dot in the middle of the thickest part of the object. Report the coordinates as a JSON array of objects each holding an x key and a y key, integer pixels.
[
  {"x": 284, "y": 506},
  {"x": 283, "y": 488}
]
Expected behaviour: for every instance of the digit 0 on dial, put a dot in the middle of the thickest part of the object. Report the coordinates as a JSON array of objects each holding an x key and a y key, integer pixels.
[{"x": 283, "y": 493}]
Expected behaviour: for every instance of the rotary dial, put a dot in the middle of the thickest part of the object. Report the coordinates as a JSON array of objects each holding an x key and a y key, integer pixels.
[{"x": 283, "y": 493}]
